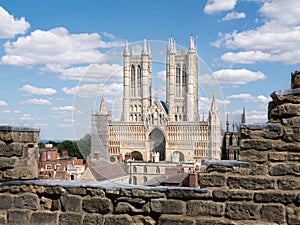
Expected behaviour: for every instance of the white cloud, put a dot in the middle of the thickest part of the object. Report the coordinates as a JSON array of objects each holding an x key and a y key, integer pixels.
[
  {"x": 27, "y": 117},
  {"x": 65, "y": 125},
  {"x": 213, "y": 6},
  {"x": 6, "y": 111},
  {"x": 31, "y": 90},
  {"x": 36, "y": 101},
  {"x": 161, "y": 74},
  {"x": 234, "y": 16},
  {"x": 3, "y": 103},
  {"x": 9, "y": 26},
  {"x": 274, "y": 41},
  {"x": 249, "y": 98},
  {"x": 230, "y": 77},
  {"x": 247, "y": 57},
  {"x": 64, "y": 108},
  {"x": 56, "y": 46}
]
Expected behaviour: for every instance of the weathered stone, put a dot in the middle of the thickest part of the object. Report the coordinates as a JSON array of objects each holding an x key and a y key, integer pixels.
[
  {"x": 43, "y": 218},
  {"x": 242, "y": 211},
  {"x": 167, "y": 206},
  {"x": 293, "y": 157},
  {"x": 240, "y": 196},
  {"x": 71, "y": 203},
  {"x": 137, "y": 202},
  {"x": 293, "y": 215},
  {"x": 95, "y": 192},
  {"x": 70, "y": 218},
  {"x": 220, "y": 195},
  {"x": 54, "y": 192},
  {"x": 253, "y": 156},
  {"x": 27, "y": 201},
  {"x": 219, "y": 168},
  {"x": 118, "y": 219},
  {"x": 7, "y": 163},
  {"x": 147, "y": 194},
  {"x": 126, "y": 208},
  {"x": 18, "y": 217},
  {"x": 185, "y": 194},
  {"x": 45, "y": 203},
  {"x": 278, "y": 156},
  {"x": 56, "y": 205},
  {"x": 93, "y": 219},
  {"x": 291, "y": 134},
  {"x": 77, "y": 191},
  {"x": 6, "y": 201},
  {"x": 3, "y": 217},
  {"x": 285, "y": 110},
  {"x": 250, "y": 183},
  {"x": 175, "y": 220},
  {"x": 205, "y": 221},
  {"x": 256, "y": 169},
  {"x": 288, "y": 184},
  {"x": 258, "y": 144},
  {"x": 97, "y": 205},
  {"x": 212, "y": 180},
  {"x": 284, "y": 169},
  {"x": 292, "y": 122},
  {"x": 290, "y": 147},
  {"x": 273, "y": 213},
  {"x": 143, "y": 220},
  {"x": 274, "y": 197},
  {"x": 204, "y": 208}
]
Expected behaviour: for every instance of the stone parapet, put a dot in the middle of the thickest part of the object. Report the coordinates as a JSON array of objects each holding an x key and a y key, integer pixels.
[{"x": 18, "y": 153}]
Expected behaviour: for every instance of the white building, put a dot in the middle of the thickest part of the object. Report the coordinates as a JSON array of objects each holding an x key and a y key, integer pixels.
[{"x": 152, "y": 129}]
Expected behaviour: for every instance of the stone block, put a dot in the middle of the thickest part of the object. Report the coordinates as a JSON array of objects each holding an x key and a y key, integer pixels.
[
  {"x": 18, "y": 217},
  {"x": 293, "y": 215},
  {"x": 204, "y": 208},
  {"x": 118, "y": 219},
  {"x": 291, "y": 122},
  {"x": 3, "y": 217},
  {"x": 95, "y": 192},
  {"x": 242, "y": 211},
  {"x": 27, "y": 201},
  {"x": 240, "y": 195},
  {"x": 273, "y": 213},
  {"x": 143, "y": 220},
  {"x": 288, "y": 147},
  {"x": 284, "y": 169},
  {"x": 288, "y": 184},
  {"x": 167, "y": 206},
  {"x": 147, "y": 194},
  {"x": 205, "y": 221},
  {"x": 250, "y": 183},
  {"x": 186, "y": 194},
  {"x": 6, "y": 163},
  {"x": 71, "y": 203},
  {"x": 258, "y": 144},
  {"x": 212, "y": 180},
  {"x": 220, "y": 195},
  {"x": 278, "y": 156},
  {"x": 93, "y": 219},
  {"x": 274, "y": 197},
  {"x": 77, "y": 191},
  {"x": 43, "y": 218},
  {"x": 253, "y": 156},
  {"x": 70, "y": 219},
  {"x": 6, "y": 201},
  {"x": 45, "y": 203},
  {"x": 126, "y": 208},
  {"x": 175, "y": 220},
  {"x": 285, "y": 110},
  {"x": 97, "y": 205},
  {"x": 291, "y": 134}
]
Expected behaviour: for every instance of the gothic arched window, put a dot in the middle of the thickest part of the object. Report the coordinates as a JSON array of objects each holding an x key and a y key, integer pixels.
[
  {"x": 177, "y": 74},
  {"x": 184, "y": 75},
  {"x": 139, "y": 76},
  {"x": 132, "y": 75}
]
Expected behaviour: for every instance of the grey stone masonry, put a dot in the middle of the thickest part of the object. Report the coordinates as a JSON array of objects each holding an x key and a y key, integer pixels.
[{"x": 18, "y": 153}]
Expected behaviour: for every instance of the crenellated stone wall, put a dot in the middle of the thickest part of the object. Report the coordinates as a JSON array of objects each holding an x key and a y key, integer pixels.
[{"x": 262, "y": 189}]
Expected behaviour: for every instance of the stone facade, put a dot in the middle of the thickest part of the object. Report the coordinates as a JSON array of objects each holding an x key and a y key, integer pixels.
[
  {"x": 150, "y": 127},
  {"x": 18, "y": 153}
]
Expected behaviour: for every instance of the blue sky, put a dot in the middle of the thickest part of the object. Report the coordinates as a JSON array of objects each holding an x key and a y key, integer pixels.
[{"x": 53, "y": 50}]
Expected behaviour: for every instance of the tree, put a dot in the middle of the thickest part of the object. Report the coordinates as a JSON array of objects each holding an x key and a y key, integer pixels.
[
  {"x": 84, "y": 145},
  {"x": 41, "y": 145},
  {"x": 71, "y": 147}
]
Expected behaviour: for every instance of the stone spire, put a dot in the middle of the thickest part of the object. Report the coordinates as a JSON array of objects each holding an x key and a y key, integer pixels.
[
  {"x": 103, "y": 109},
  {"x": 192, "y": 44},
  {"x": 173, "y": 50},
  {"x": 145, "y": 50},
  {"x": 227, "y": 123},
  {"x": 126, "y": 50},
  {"x": 132, "y": 50},
  {"x": 244, "y": 116},
  {"x": 214, "y": 106},
  {"x": 169, "y": 44}
]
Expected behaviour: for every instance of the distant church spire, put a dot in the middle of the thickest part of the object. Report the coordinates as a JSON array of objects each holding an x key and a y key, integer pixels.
[
  {"x": 145, "y": 50},
  {"x": 244, "y": 116},
  {"x": 227, "y": 123},
  {"x": 192, "y": 43},
  {"x": 126, "y": 50},
  {"x": 103, "y": 109},
  {"x": 214, "y": 106}
]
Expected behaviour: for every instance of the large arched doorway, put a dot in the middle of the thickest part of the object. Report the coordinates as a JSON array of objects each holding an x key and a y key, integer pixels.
[
  {"x": 137, "y": 156},
  {"x": 158, "y": 143}
]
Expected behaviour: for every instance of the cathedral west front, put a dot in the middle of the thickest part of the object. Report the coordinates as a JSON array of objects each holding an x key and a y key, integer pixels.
[{"x": 155, "y": 130}]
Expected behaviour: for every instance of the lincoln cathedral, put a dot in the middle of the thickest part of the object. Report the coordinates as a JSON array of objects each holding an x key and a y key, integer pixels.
[{"x": 153, "y": 130}]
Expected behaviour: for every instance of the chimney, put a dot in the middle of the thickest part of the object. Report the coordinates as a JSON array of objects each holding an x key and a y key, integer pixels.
[{"x": 193, "y": 180}]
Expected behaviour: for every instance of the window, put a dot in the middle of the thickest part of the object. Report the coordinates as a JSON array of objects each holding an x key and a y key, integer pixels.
[
  {"x": 48, "y": 156},
  {"x": 177, "y": 74},
  {"x": 157, "y": 170},
  {"x": 184, "y": 75},
  {"x": 145, "y": 179},
  {"x": 134, "y": 180},
  {"x": 48, "y": 167},
  {"x": 139, "y": 76},
  {"x": 145, "y": 169},
  {"x": 134, "y": 169}
]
